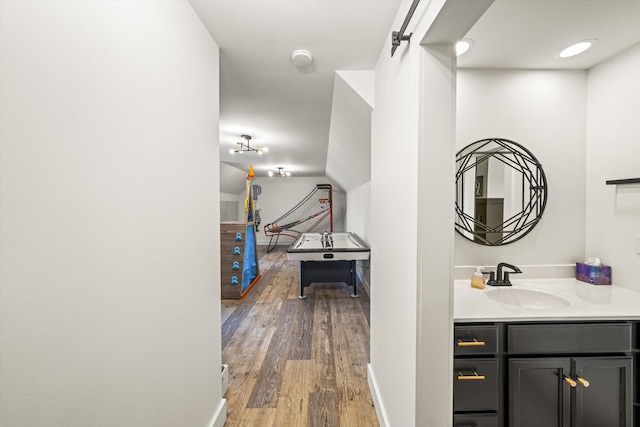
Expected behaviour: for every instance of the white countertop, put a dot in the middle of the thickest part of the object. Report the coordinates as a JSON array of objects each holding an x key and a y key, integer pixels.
[{"x": 586, "y": 302}]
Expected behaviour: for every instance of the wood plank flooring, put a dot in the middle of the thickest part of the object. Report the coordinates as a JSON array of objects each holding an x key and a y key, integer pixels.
[{"x": 292, "y": 362}]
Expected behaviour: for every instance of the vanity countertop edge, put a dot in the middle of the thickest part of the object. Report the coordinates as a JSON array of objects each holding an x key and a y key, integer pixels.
[{"x": 587, "y": 302}]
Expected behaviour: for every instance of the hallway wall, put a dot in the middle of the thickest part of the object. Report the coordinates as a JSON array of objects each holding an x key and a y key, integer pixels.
[{"x": 110, "y": 308}]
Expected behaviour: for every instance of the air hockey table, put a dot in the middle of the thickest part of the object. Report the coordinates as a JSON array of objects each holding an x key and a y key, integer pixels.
[{"x": 328, "y": 257}]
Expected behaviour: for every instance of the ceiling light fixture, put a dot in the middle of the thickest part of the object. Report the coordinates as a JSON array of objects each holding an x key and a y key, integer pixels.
[
  {"x": 281, "y": 172},
  {"x": 463, "y": 45},
  {"x": 576, "y": 48},
  {"x": 246, "y": 147},
  {"x": 301, "y": 57}
]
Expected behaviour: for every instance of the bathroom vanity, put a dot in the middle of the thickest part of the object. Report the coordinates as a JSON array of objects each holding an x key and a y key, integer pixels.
[{"x": 546, "y": 353}]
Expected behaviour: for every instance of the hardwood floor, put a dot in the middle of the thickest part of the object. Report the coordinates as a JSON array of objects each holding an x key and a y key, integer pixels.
[{"x": 292, "y": 362}]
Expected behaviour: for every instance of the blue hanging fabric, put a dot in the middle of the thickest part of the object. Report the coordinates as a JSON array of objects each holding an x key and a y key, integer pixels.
[{"x": 249, "y": 270}]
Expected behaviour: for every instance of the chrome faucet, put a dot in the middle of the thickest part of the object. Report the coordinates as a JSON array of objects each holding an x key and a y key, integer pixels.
[{"x": 499, "y": 279}]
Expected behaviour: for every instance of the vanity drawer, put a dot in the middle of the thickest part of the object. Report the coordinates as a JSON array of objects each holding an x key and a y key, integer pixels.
[
  {"x": 475, "y": 385},
  {"x": 569, "y": 338},
  {"x": 475, "y": 420},
  {"x": 476, "y": 340}
]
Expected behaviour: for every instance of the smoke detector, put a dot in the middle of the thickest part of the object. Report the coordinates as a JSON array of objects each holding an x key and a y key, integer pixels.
[{"x": 301, "y": 57}]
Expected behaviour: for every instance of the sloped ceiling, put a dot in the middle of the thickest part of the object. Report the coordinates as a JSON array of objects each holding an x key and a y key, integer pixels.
[
  {"x": 263, "y": 94},
  {"x": 289, "y": 109}
]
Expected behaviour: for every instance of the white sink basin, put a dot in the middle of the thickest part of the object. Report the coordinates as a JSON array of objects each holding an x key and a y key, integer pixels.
[{"x": 527, "y": 298}]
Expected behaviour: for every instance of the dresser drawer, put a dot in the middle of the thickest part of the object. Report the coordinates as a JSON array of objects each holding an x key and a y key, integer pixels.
[
  {"x": 476, "y": 340},
  {"x": 475, "y": 385},
  {"x": 225, "y": 276},
  {"x": 475, "y": 420},
  {"x": 569, "y": 338},
  {"x": 230, "y": 256},
  {"x": 227, "y": 267},
  {"x": 230, "y": 291}
]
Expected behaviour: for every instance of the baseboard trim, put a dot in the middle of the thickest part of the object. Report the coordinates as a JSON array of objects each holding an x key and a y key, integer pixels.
[
  {"x": 220, "y": 416},
  {"x": 225, "y": 378},
  {"x": 375, "y": 396}
]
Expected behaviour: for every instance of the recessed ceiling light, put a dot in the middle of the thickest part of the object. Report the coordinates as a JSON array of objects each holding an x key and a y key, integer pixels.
[
  {"x": 576, "y": 48},
  {"x": 463, "y": 45}
]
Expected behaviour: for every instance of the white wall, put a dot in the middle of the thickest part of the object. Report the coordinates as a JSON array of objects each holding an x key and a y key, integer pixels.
[
  {"x": 545, "y": 111},
  {"x": 110, "y": 308},
  {"x": 232, "y": 179},
  {"x": 396, "y": 146},
  {"x": 412, "y": 149},
  {"x": 393, "y": 236},
  {"x": 279, "y": 195},
  {"x": 349, "y": 150},
  {"x": 435, "y": 249},
  {"x": 358, "y": 211},
  {"x": 239, "y": 199},
  {"x": 613, "y": 152},
  {"x": 358, "y": 221}
]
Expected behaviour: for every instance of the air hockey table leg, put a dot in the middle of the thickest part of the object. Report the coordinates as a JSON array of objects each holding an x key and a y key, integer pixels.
[
  {"x": 353, "y": 280},
  {"x": 302, "y": 295}
]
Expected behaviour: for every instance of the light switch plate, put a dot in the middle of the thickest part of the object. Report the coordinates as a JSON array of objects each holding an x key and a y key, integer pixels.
[{"x": 638, "y": 244}]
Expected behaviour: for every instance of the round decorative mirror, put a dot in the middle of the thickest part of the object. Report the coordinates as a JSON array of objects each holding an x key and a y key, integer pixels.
[{"x": 501, "y": 191}]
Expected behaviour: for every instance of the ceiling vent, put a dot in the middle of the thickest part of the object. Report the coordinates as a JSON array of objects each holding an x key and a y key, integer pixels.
[{"x": 301, "y": 57}]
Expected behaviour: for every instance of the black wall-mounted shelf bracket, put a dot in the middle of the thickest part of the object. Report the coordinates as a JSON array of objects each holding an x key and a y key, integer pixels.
[
  {"x": 398, "y": 36},
  {"x": 623, "y": 181}
]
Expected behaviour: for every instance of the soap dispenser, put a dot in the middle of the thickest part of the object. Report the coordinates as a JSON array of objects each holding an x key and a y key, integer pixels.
[{"x": 477, "y": 280}]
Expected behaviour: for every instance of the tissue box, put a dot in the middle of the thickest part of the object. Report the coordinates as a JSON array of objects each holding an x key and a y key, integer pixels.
[{"x": 594, "y": 274}]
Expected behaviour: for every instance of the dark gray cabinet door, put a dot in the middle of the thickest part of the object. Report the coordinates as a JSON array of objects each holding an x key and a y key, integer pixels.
[
  {"x": 607, "y": 400},
  {"x": 539, "y": 394}
]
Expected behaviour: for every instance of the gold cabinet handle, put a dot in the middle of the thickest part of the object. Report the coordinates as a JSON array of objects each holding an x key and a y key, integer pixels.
[
  {"x": 475, "y": 376},
  {"x": 474, "y": 343},
  {"x": 583, "y": 382},
  {"x": 569, "y": 381}
]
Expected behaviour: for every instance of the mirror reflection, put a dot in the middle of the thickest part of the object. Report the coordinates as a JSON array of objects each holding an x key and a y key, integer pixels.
[{"x": 501, "y": 191}]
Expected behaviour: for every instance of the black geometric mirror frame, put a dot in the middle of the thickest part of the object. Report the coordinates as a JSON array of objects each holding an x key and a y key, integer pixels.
[{"x": 533, "y": 191}]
